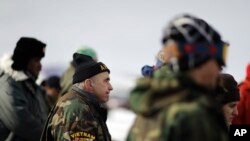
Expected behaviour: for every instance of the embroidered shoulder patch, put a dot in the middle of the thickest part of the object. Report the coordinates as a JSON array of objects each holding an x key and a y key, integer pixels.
[{"x": 82, "y": 136}]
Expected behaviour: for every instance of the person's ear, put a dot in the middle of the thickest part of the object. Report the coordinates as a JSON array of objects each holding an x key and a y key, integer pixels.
[{"x": 88, "y": 84}]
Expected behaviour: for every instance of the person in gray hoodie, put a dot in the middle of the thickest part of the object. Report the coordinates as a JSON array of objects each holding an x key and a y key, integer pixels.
[{"x": 22, "y": 104}]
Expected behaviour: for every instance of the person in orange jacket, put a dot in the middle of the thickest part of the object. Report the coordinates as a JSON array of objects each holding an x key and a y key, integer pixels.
[{"x": 244, "y": 104}]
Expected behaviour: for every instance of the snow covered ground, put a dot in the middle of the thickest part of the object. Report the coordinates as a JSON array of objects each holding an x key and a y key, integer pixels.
[{"x": 119, "y": 122}]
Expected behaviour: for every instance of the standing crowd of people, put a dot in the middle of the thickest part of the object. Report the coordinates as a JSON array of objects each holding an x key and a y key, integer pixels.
[{"x": 185, "y": 96}]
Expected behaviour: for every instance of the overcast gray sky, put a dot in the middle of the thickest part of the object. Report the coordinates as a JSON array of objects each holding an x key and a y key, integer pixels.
[{"x": 125, "y": 33}]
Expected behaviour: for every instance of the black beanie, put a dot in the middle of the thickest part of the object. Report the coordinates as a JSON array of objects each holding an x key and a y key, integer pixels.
[
  {"x": 27, "y": 48},
  {"x": 86, "y": 67},
  {"x": 227, "y": 90}
]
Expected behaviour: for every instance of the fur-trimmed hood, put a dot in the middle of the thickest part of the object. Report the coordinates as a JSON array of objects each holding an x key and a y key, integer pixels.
[{"x": 5, "y": 66}]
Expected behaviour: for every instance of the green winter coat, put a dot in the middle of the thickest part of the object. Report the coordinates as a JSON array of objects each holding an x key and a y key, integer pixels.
[
  {"x": 171, "y": 107},
  {"x": 67, "y": 79},
  {"x": 77, "y": 116}
]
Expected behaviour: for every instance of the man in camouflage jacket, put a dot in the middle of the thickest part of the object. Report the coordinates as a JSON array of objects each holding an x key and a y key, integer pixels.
[
  {"x": 79, "y": 115},
  {"x": 175, "y": 103}
]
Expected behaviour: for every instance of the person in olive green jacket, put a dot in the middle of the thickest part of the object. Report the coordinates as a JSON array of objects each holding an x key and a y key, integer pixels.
[
  {"x": 66, "y": 78},
  {"x": 80, "y": 113},
  {"x": 175, "y": 103}
]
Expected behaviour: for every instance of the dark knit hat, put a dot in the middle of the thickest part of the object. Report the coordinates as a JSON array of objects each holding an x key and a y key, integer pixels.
[
  {"x": 86, "y": 67},
  {"x": 189, "y": 42},
  {"x": 27, "y": 48},
  {"x": 227, "y": 90}
]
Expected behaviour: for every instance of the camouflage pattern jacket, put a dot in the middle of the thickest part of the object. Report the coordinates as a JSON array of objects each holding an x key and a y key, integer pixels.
[
  {"x": 171, "y": 107},
  {"x": 77, "y": 117}
]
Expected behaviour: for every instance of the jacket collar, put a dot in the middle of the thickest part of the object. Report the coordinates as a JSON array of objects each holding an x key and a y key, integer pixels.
[{"x": 89, "y": 96}]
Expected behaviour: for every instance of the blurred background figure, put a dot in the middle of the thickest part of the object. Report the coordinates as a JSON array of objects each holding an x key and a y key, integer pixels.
[
  {"x": 176, "y": 102},
  {"x": 244, "y": 104},
  {"x": 66, "y": 79},
  {"x": 52, "y": 88},
  {"x": 149, "y": 70},
  {"x": 22, "y": 102},
  {"x": 228, "y": 96}
]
